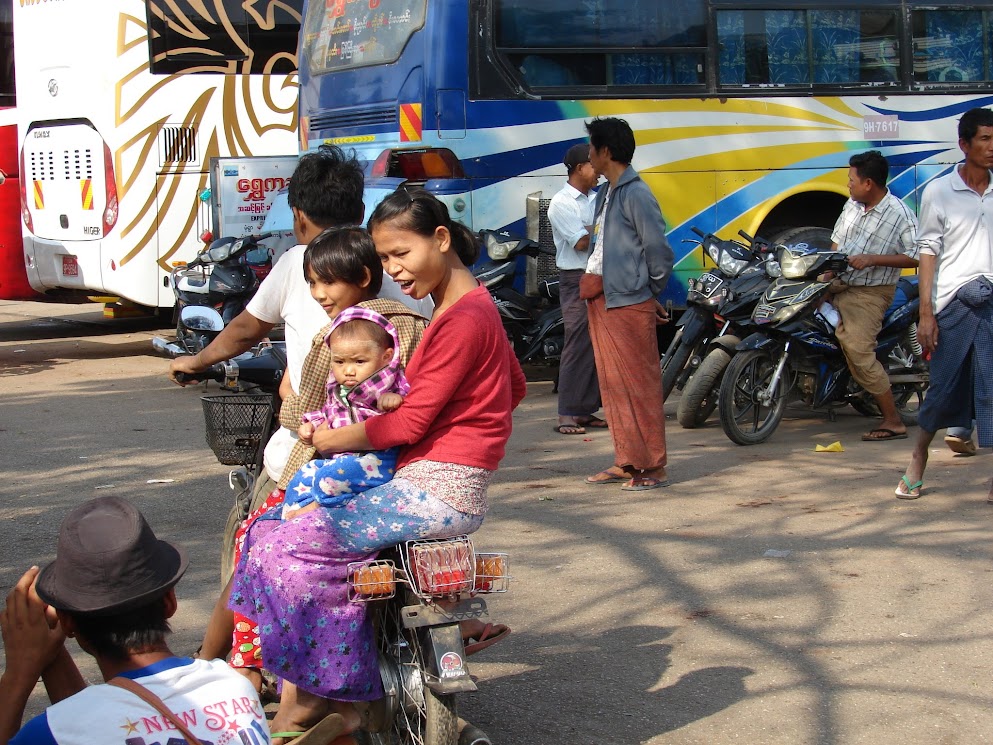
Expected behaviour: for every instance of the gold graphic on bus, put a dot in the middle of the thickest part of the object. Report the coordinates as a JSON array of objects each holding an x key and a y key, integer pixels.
[{"x": 251, "y": 93}]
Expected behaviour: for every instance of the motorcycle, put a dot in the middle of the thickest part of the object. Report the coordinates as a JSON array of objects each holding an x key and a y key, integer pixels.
[
  {"x": 734, "y": 310},
  {"x": 419, "y": 591},
  {"x": 534, "y": 326},
  {"x": 696, "y": 326},
  {"x": 793, "y": 351},
  {"x": 213, "y": 288}
]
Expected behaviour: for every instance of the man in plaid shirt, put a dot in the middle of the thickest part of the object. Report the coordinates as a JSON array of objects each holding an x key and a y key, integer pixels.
[{"x": 879, "y": 233}]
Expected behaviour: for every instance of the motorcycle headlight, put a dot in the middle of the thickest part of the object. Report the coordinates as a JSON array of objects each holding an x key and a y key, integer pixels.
[
  {"x": 731, "y": 266},
  {"x": 773, "y": 269},
  {"x": 796, "y": 266},
  {"x": 786, "y": 313},
  {"x": 497, "y": 249}
]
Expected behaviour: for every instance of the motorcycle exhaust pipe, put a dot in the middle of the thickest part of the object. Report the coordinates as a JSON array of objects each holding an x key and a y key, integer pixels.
[{"x": 472, "y": 735}]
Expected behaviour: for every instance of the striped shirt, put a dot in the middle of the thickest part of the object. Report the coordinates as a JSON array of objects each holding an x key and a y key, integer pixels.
[{"x": 888, "y": 228}]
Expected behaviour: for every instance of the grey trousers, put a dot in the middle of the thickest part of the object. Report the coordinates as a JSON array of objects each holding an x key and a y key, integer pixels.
[{"x": 579, "y": 391}]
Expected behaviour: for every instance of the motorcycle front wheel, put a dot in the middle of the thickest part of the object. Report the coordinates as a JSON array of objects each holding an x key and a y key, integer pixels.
[
  {"x": 747, "y": 418},
  {"x": 418, "y": 715},
  {"x": 699, "y": 397}
]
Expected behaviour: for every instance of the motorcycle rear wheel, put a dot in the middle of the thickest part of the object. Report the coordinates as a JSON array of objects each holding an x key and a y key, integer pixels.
[
  {"x": 421, "y": 716},
  {"x": 699, "y": 397},
  {"x": 745, "y": 419}
]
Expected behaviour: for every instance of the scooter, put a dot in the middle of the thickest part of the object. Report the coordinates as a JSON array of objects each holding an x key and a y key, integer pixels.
[
  {"x": 792, "y": 351},
  {"x": 734, "y": 308},
  {"x": 213, "y": 288},
  {"x": 696, "y": 326},
  {"x": 534, "y": 325}
]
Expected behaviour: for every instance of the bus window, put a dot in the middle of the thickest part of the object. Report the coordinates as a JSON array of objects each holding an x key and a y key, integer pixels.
[
  {"x": 603, "y": 43},
  {"x": 245, "y": 39},
  {"x": 338, "y": 35},
  {"x": 948, "y": 46},
  {"x": 807, "y": 47}
]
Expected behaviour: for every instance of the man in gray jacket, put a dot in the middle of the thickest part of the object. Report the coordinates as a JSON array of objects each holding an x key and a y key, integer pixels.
[{"x": 628, "y": 267}]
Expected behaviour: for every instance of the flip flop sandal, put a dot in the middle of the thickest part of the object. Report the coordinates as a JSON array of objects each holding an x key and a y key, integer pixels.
[
  {"x": 642, "y": 484},
  {"x": 570, "y": 429},
  {"x": 595, "y": 422},
  {"x": 612, "y": 478},
  {"x": 489, "y": 636},
  {"x": 321, "y": 733},
  {"x": 913, "y": 491},
  {"x": 889, "y": 434}
]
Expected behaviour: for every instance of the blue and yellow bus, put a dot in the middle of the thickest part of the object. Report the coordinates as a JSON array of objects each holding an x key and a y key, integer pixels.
[{"x": 745, "y": 112}]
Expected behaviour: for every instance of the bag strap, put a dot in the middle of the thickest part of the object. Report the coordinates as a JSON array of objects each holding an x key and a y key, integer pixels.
[{"x": 156, "y": 703}]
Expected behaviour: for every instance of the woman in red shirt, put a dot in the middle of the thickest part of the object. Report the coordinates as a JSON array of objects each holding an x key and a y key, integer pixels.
[{"x": 452, "y": 429}]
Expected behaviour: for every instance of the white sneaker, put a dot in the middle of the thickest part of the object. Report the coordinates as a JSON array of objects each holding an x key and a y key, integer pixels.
[{"x": 960, "y": 445}]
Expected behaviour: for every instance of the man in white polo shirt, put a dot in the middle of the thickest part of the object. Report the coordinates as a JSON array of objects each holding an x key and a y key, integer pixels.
[
  {"x": 570, "y": 214},
  {"x": 956, "y": 284}
]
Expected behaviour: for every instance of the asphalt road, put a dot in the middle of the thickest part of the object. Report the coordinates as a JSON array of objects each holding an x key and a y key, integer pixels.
[{"x": 770, "y": 595}]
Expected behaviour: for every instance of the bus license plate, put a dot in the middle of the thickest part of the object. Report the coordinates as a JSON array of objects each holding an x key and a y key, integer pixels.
[{"x": 70, "y": 267}]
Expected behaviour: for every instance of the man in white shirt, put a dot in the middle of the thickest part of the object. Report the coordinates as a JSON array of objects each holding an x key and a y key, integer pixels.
[
  {"x": 112, "y": 588},
  {"x": 570, "y": 214},
  {"x": 956, "y": 286}
]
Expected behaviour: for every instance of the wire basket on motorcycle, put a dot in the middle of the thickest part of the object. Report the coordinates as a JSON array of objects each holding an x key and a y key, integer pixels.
[{"x": 236, "y": 425}]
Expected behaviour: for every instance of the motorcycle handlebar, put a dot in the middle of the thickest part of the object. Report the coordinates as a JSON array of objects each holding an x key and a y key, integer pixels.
[
  {"x": 214, "y": 372},
  {"x": 697, "y": 230}
]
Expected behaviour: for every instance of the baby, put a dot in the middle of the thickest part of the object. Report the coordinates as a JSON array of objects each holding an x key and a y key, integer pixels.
[{"x": 366, "y": 380}]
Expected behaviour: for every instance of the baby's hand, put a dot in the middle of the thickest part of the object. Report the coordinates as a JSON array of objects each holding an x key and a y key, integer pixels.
[
  {"x": 389, "y": 401},
  {"x": 306, "y": 433}
]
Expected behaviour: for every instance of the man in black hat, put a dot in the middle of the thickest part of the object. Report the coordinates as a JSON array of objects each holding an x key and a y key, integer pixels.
[
  {"x": 570, "y": 214},
  {"x": 111, "y": 587}
]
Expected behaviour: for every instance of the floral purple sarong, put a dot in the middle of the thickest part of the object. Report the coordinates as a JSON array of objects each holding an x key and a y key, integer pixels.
[{"x": 291, "y": 581}]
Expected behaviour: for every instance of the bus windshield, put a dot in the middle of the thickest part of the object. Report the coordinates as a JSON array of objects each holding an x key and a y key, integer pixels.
[{"x": 339, "y": 35}]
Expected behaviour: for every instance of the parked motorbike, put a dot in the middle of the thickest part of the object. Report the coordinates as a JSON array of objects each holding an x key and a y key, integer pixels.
[
  {"x": 418, "y": 592},
  {"x": 213, "y": 288},
  {"x": 697, "y": 325},
  {"x": 793, "y": 351},
  {"x": 734, "y": 308},
  {"x": 534, "y": 325}
]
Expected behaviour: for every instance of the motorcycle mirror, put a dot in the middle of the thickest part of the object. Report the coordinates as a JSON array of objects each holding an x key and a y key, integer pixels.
[{"x": 201, "y": 318}]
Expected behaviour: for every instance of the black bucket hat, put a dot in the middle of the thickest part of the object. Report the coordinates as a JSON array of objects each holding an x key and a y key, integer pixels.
[{"x": 108, "y": 561}]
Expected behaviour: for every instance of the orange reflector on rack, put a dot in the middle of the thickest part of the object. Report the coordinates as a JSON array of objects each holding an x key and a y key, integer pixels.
[
  {"x": 371, "y": 580},
  {"x": 39, "y": 197},
  {"x": 410, "y": 122},
  {"x": 491, "y": 573},
  {"x": 86, "y": 191}
]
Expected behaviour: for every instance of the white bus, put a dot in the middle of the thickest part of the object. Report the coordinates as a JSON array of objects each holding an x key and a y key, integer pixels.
[{"x": 121, "y": 107}]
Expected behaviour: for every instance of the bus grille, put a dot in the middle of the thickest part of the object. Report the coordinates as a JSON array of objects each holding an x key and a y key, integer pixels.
[
  {"x": 49, "y": 165},
  {"x": 177, "y": 145},
  {"x": 366, "y": 117}
]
